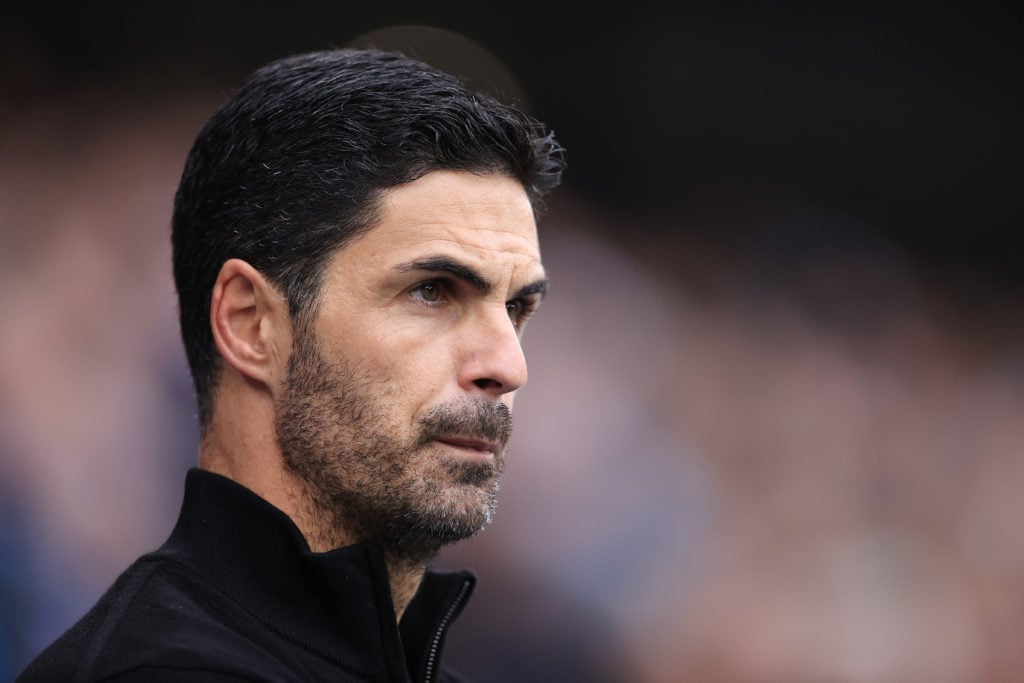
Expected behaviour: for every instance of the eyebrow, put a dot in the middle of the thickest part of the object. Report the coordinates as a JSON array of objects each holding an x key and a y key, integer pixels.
[
  {"x": 467, "y": 274},
  {"x": 538, "y": 287}
]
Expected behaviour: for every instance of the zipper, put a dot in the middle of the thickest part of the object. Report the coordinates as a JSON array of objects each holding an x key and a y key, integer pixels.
[{"x": 435, "y": 644}]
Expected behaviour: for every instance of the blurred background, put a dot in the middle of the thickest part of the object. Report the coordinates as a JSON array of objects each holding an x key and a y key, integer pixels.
[{"x": 774, "y": 430}]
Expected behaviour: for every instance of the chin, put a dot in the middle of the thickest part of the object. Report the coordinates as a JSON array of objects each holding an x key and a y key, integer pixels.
[{"x": 459, "y": 510}]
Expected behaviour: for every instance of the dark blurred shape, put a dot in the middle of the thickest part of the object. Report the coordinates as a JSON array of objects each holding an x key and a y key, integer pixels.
[{"x": 453, "y": 53}]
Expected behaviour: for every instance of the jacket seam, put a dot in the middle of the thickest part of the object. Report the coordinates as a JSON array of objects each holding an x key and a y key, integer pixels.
[{"x": 111, "y": 622}]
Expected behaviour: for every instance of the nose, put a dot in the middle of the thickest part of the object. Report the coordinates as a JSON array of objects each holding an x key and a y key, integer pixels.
[{"x": 493, "y": 360}]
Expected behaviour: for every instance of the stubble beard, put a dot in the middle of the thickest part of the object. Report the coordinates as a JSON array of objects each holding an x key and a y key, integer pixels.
[{"x": 364, "y": 482}]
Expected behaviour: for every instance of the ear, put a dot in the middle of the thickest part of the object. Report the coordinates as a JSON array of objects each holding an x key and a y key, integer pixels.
[{"x": 250, "y": 323}]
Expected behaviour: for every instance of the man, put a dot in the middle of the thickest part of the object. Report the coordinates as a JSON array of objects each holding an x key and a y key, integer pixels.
[{"x": 356, "y": 255}]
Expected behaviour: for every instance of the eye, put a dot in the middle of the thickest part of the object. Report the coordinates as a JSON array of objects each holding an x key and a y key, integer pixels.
[
  {"x": 519, "y": 310},
  {"x": 515, "y": 309},
  {"x": 429, "y": 292}
]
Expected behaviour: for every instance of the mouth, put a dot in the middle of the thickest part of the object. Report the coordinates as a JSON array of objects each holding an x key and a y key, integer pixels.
[{"x": 476, "y": 446}]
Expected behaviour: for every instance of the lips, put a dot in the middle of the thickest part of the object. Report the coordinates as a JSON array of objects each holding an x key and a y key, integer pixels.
[
  {"x": 481, "y": 445},
  {"x": 473, "y": 426}
]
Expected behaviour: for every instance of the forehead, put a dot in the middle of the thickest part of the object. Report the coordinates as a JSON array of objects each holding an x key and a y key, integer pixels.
[{"x": 487, "y": 219}]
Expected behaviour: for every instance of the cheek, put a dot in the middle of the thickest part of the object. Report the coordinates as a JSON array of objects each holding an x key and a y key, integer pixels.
[{"x": 413, "y": 364}]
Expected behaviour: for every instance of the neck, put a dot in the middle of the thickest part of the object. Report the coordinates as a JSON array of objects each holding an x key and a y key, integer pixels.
[
  {"x": 240, "y": 443},
  {"x": 405, "y": 579},
  {"x": 318, "y": 523},
  {"x": 325, "y": 528}
]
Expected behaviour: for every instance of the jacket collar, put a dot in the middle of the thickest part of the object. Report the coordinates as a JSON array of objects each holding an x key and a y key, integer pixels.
[{"x": 336, "y": 603}]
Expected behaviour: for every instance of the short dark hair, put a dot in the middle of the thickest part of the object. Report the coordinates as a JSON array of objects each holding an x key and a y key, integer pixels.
[{"x": 293, "y": 165}]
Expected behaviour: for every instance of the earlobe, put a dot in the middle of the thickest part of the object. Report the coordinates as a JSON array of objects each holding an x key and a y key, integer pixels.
[{"x": 249, "y": 321}]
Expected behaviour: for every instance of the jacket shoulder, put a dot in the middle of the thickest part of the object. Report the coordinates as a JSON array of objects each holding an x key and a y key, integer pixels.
[
  {"x": 159, "y": 622},
  {"x": 159, "y": 674}
]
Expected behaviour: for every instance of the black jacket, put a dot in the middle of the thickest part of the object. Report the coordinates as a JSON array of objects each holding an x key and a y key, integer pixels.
[{"x": 235, "y": 594}]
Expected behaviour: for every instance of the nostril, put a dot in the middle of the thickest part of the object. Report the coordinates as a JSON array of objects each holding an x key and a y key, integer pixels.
[{"x": 485, "y": 383}]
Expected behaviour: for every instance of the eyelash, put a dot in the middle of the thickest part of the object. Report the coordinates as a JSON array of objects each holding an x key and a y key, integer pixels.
[{"x": 526, "y": 306}]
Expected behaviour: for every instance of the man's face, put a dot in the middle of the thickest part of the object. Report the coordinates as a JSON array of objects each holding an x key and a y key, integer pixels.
[{"x": 398, "y": 403}]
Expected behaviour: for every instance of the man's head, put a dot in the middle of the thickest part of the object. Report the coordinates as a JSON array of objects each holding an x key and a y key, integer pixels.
[
  {"x": 385, "y": 214},
  {"x": 293, "y": 165}
]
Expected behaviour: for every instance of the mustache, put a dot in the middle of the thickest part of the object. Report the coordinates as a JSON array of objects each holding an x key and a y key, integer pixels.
[{"x": 473, "y": 418}]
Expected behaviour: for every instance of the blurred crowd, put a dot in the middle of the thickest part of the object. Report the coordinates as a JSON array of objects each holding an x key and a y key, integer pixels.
[{"x": 795, "y": 459}]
